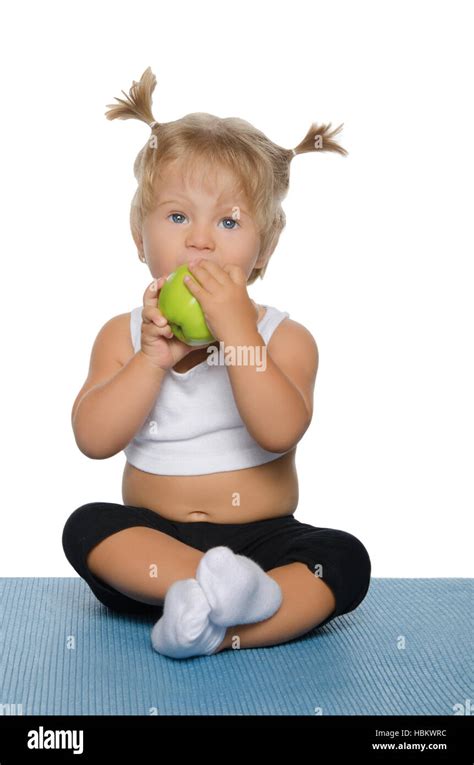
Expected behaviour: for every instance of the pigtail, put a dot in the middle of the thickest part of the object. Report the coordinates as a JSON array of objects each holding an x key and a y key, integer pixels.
[
  {"x": 138, "y": 103},
  {"x": 318, "y": 139}
]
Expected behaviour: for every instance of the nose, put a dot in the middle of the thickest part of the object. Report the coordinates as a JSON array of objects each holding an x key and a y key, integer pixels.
[{"x": 199, "y": 238}]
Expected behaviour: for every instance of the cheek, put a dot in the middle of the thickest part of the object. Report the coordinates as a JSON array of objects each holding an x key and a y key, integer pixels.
[
  {"x": 252, "y": 245},
  {"x": 159, "y": 234},
  {"x": 244, "y": 241}
]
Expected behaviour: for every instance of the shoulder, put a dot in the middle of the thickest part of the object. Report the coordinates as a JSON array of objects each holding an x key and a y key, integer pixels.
[
  {"x": 292, "y": 337},
  {"x": 294, "y": 350},
  {"x": 116, "y": 334}
]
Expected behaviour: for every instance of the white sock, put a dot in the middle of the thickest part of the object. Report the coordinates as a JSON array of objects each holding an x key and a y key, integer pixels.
[
  {"x": 238, "y": 589},
  {"x": 185, "y": 629}
]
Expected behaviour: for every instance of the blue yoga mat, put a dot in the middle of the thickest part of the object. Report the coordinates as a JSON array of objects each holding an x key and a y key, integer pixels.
[{"x": 404, "y": 651}]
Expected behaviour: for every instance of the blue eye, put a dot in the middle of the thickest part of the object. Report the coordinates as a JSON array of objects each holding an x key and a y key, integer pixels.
[
  {"x": 232, "y": 221},
  {"x": 172, "y": 214},
  {"x": 180, "y": 215}
]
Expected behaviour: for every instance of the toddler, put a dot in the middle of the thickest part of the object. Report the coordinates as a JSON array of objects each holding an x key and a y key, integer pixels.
[{"x": 206, "y": 540}]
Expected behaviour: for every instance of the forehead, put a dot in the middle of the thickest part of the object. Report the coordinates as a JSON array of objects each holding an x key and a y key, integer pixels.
[{"x": 217, "y": 182}]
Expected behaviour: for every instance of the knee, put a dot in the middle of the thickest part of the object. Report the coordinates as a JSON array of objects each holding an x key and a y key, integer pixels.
[
  {"x": 75, "y": 525},
  {"x": 357, "y": 549},
  {"x": 357, "y": 563},
  {"x": 77, "y": 516}
]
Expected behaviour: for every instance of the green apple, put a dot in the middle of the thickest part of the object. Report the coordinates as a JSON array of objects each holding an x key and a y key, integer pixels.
[{"x": 183, "y": 312}]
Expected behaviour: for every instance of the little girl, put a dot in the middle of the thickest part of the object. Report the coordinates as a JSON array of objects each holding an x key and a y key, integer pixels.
[{"x": 206, "y": 539}]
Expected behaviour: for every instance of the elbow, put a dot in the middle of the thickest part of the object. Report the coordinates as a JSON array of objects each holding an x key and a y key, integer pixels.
[
  {"x": 93, "y": 451},
  {"x": 93, "y": 454},
  {"x": 278, "y": 448},
  {"x": 87, "y": 441},
  {"x": 285, "y": 444}
]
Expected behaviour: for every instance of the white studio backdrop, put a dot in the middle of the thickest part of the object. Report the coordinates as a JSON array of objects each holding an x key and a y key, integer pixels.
[{"x": 376, "y": 258}]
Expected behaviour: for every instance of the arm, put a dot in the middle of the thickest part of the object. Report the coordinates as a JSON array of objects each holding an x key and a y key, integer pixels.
[
  {"x": 116, "y": 398},
  {"x": 110, "y": 414},
  {"x": 276, "y": 404}
]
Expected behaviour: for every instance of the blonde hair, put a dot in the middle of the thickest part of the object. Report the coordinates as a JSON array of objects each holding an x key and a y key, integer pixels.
[{"x": 261, "y": 167}]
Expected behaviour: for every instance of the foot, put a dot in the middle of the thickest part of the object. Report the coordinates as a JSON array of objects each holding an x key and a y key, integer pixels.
[
  {"x": 185, "y": 629},
  {"x": 238, "y": 589}
]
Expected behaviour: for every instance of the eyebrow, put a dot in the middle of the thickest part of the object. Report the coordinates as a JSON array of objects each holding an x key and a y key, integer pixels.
[{"x": 218, "y": 207}]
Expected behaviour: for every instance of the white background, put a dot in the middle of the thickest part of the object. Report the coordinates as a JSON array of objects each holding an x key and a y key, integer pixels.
[{"x": 376, "y": 258}]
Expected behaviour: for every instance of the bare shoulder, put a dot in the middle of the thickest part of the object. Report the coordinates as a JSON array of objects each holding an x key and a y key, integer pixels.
[
  {"x": 291, "y": 336},
  {"x": 111, "y": 350},
  {"x": 295, "y": 351},
  {"x": 116, "y": 334}
]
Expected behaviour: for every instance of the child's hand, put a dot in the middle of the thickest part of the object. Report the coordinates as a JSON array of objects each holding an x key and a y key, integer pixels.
[
  {"x": 157, "y": 340},
  {"x": 222, "y": 294}
]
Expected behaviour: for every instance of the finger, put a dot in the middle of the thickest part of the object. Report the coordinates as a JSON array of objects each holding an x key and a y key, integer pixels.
[
  {"x": 215, "y": 269},
  {"x": 150, "y": 296},
  {"x": 157, "y": 326},
  {"x": 195, "y": 288},
  {"x": 207, "y": 271},
  {"x": 203, "y": 278},
  {"x": 156, "y": 331},
  {"x": 236, "y": 273},
  {"x": 153, "y": 315}
]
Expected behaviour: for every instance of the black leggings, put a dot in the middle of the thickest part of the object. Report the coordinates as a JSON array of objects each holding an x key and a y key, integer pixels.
[{"x": 338, "y": 557}]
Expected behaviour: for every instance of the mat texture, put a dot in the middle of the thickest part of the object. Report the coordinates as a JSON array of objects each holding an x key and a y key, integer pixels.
[{"x": 406, "y": 650}]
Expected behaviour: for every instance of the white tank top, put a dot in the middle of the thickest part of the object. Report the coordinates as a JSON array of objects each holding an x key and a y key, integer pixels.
[{"x": 194, "y": 426}]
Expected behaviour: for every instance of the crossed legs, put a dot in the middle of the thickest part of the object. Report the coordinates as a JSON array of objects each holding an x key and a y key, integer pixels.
[{"x": 143, "y": 563}]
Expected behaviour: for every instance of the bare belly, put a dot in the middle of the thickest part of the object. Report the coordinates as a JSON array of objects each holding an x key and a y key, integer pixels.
[{"x": 235, "y": 496}]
